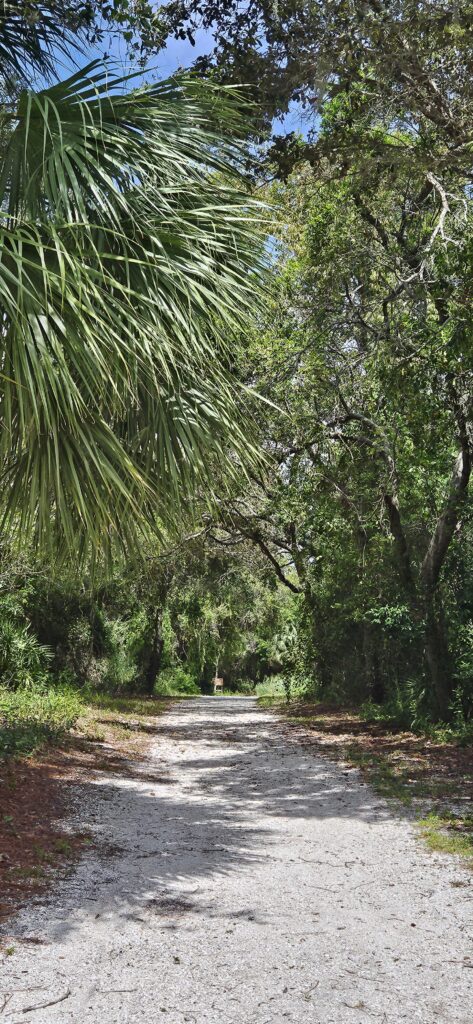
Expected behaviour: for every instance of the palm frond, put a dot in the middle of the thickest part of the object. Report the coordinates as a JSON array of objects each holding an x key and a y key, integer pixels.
[
  {"x": 129, "y": 254},
  {"x": 34, "y": 34}
]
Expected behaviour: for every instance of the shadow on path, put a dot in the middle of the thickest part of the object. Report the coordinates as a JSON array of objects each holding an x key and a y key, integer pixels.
[{"x": 216, "y": 795}]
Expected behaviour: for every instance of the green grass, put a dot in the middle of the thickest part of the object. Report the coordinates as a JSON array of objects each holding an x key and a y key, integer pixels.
[
  {"x": 126, "y": 705},
  {"x": 442, "y": 830},
  {"x": 117, "y": 719},
  {"x": 32, "y": 717},
  {"x": 447, "y": 833},
  {"x": 62, "y": 846},
  {"x": 27, "y": 874},
  {"x": 271, "y": 689},
  {"x": 400, "y": 771},
  {"x": 36, "y": 716},
  {"x": 270, "y": 702}
]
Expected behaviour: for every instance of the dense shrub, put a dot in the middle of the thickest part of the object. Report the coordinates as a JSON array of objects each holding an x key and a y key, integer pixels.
[
  {"x": 31, "y": 716},
  {"x": 173, "y": 681},
  {"x": 242, "y": 685}
]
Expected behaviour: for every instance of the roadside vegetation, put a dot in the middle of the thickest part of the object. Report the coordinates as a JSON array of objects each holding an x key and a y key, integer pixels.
[{"x": 237, "y": 373}]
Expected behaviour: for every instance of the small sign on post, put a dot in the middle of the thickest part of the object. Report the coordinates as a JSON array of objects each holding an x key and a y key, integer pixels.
[{"x": 218, "y": 684}]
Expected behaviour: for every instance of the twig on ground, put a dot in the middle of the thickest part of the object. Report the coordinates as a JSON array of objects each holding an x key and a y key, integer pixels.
[
  {"x": 50, "y": 1002},
  {"x": 323, "y": 888},
  {"x": 307, "y": 994},
  {"x": 6, "y": 999}
]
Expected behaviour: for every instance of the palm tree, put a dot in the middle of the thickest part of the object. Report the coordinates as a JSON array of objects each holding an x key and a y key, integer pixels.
[{"x": 129, "y": 254}]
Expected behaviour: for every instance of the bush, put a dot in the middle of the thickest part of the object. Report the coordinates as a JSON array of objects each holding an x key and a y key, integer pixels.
[
  {"x": 23, "y": 660},
  {"x": 32, "y": 716},
  {"x": 174, "y": 681},
  {"x": 291, "y": 686},
  {"x": 272, "y": 686},
  {"x": 241, "y": 685}
]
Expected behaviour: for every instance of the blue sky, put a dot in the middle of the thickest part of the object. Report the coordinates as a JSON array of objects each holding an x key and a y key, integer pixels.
[{"x": 179, "y": 53}]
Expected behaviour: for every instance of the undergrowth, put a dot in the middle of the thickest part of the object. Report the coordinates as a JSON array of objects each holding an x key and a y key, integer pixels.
[
  {"x": 408, "y": 716},
  {"x": 127, "y": 705},
  {"x": 32, "y": 716}
]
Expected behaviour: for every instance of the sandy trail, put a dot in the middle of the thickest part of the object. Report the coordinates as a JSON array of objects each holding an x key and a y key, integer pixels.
[{"x": 248, "y": 881}]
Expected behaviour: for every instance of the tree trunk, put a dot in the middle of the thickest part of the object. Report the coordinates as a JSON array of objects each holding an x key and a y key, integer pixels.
[
  {"x": 436, "y": 646},
  {"x": 437, "y": 659},
  {"x": 153, "y": 667}
]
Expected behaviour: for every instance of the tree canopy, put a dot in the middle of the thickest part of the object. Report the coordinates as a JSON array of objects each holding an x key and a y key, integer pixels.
[{"x": 309, "y": 442}]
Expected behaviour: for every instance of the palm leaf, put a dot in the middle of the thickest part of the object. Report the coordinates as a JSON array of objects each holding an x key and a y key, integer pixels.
[
  {"x": 34, "y": 35},
  {"x": 129, "y": 254}
]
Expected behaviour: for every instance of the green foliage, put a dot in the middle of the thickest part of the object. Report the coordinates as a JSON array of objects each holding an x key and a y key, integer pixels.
[
  {"x": 34, "y": 715},
  {"x": 174, "y": 681},
  {"x": 271, "y": 686},
  {"x": 222, "y": 615},
  {"x": 394, "y": 619},
  {"x": 176, "y": 615},
  {"x": 446, "y": 833},
  {"x": 130, "y": 252},
  {"x": 243, "y": 686},
  {"x": 118, "y": 665},
  {"x": 23, "y": 660},
  {"x": 340, "y": 564},
  {"x": 408, "y": 710},
  {"x": 374, "y": 66},
  {"x": 462, "y": 643},
  {"x": 365, "y": 513},
  {"x": 404, "y": 709},
  {"x": 33, "y": 35}
]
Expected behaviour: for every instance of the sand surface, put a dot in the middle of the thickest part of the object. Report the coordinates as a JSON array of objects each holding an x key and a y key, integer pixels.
[{"x": 241, "y": 878}]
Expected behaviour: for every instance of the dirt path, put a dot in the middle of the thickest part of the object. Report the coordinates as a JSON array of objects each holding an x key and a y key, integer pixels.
[{"x": 248, "y": 882}]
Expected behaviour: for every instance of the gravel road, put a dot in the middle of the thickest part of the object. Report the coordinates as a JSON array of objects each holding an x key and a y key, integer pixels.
[{"x": 247, "y": 880}]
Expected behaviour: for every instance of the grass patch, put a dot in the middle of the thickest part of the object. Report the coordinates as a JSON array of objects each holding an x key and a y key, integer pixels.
[
  {"x": 35, "y": 717},
  {"x": 122, "y": 722},
  {"x": 387, "y": 779},
  {"x": 32, "y": 717},
  {"x": 269, "y": 702},
  {"x": 271, "y": 689},
  {"x": 108, "y": 719},
  {"x": 445, "y": 832},
  {"x": 127, "y": 705},
  {"x": 33, "y": 872}
]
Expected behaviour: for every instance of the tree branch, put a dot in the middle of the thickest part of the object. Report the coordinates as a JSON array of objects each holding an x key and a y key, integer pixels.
[{"x": 257, "y": 538}]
